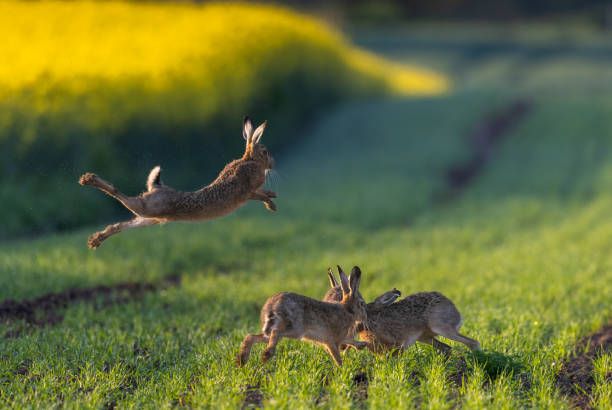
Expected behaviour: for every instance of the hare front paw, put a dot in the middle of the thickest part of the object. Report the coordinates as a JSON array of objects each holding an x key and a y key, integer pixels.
[
  {"x": 240, "y": 360},
  {"x": 270, "y": 205},
  {"x": 267, "y": 354},
  {"x": 360, "y": 345}
]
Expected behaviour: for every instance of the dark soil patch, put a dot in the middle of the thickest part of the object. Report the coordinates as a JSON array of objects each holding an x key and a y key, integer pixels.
[
  {"x": 140, "y": 351},
  {"x": 24, "y": 368},
  {"x": 360, "y": 387},
  {"x": 185, "y": 398},
  {"x": 459, "y": 375},
  {"x": 323, "y": 394},
  {"x": 576, "y": 378},
  {"x": 493, "y": 129},
  {"x": 46, "y": 310},
  {"x": 253, "y": 397}
]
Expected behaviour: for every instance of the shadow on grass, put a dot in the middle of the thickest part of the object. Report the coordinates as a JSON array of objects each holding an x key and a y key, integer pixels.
[{"x": 494, "y": 365}]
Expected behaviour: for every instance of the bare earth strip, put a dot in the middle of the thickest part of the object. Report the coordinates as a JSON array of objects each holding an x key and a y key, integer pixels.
[
  {"x": 488, "y": 133},
  {"x": 45, "y": 310},
  {"x": 576, "y": 376}
]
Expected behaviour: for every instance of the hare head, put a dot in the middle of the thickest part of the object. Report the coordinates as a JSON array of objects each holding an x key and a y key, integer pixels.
[
  {"x": 351, "y": 298},
  {"x": 335, "y": 294},
  {"x": 254, "y": 149}
]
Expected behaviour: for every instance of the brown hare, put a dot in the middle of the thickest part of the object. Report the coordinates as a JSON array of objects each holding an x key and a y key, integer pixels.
[
  {"x": 299, "y": 317},
  {"x": 418, "y": 317},
  {"x": 239, "y": 182}
]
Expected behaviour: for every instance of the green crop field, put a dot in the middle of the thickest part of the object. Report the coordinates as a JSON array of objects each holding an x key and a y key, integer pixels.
[{"x": 524, "y": 251}]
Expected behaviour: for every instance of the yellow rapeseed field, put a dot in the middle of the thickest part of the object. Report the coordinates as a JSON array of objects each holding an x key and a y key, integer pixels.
[{"x": 62, "y": 41}]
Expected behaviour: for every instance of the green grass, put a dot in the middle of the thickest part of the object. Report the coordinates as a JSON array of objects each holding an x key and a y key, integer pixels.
[{"x": 524, "y": 253}]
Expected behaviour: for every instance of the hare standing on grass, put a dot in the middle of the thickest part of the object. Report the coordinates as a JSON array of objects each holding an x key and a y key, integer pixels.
[
  {"x": 239, "y": 182},
  {"x": 300, "y": 317},
  {"x": 418, "y": 317}
]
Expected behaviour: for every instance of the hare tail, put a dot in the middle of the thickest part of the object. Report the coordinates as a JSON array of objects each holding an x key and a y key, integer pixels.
[{"x": 154, "y": 179}]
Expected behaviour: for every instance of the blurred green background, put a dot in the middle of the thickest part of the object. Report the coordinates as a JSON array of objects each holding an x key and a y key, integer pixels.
[{"x": 117, "y": 88}]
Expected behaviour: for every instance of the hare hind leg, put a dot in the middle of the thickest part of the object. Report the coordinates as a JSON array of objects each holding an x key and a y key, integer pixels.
[
  {"x": 438, "y": 345},
  {"x": 451, "y": 333},
  {"x": 275, "y": 337},
  {"x": 276, "y": 334},
  {"x": 247, "y": 344},
  {"x": 355, "y": 344},
  {"x": 410, "y": 340},
  {"x": 132, "y": 203},
  {"x": 97, "y": 238}
]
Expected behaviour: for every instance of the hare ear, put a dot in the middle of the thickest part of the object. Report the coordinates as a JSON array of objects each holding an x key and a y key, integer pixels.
[
  {"x": 387, "y": 298},
  {"x": 258, "y": 133},
  {"x": 332, "y": 279},
  {"x": 344, "y": 282},
  {"x": 355, "y": 279},
  {"x": 247, "y": 128}
]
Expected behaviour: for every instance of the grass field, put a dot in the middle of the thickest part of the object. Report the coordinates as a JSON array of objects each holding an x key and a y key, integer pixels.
[{"x": 523, "y": 251}]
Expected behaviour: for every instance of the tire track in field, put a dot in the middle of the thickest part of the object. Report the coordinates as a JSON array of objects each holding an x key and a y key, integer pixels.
[
  {"x": 489, "y": 133},
  {"x": 360, "y": 384},
  {"x": 323, "y": 394},
  {"x": 576, "y": 378},
  {"x": 46, "y": 310},
  {"x": 253, "y": 397}
]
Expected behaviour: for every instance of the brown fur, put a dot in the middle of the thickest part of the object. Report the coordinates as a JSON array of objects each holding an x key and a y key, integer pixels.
[
  {"x": 299, "y": 317},
  {"x": 239, "y": 182},
  {"x": 418, "y": 317}
]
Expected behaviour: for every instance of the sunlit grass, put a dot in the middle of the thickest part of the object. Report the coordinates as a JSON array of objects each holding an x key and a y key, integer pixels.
[{"x": 523, "y": 253}]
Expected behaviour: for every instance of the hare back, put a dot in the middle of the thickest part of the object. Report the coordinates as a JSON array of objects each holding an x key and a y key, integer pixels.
[
  {"x": 167, "y": 204},
  {"x": 247, "y": 173},
  {"x": 392, "y": 324},
  {"x": 228, "y": 192},
  {"x": 429, "y": 308},
  {"x": 310, "y": 318},
  {"x": 416, "y": 313}
]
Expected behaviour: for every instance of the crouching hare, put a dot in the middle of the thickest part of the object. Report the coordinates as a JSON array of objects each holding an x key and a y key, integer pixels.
[
  {"x": 239, "y": 182},
  {"x": 418, "y": 317},
  {"x": 299, "y": 317}
]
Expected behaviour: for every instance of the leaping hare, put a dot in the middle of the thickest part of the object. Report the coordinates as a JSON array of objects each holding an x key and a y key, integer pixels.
[
  {"x": 418, "y": 317},
  {"x": 239, "y": 182},
  {"x": 299, "y": 317}
]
